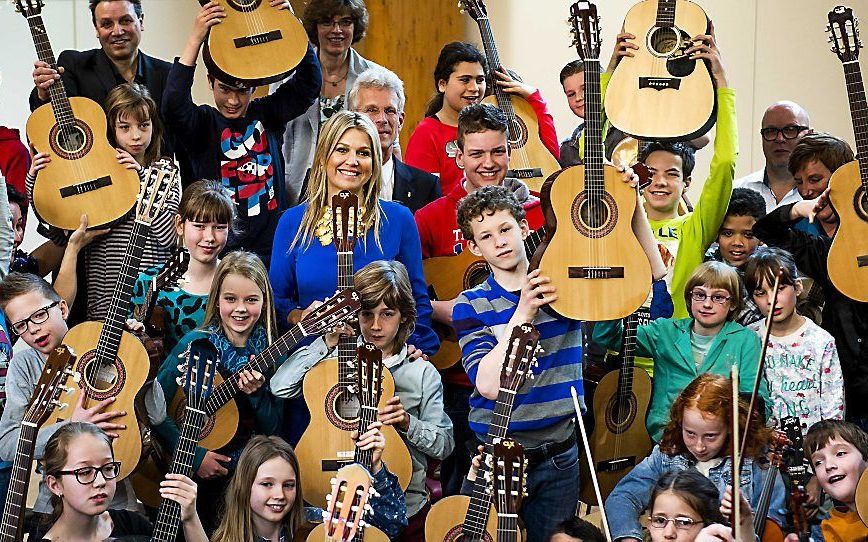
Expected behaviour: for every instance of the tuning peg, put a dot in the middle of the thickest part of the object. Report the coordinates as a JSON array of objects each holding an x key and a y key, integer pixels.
[
  {"x": 362, "y": 523},
  {"x": 66, "y": 389},
  {"x": 58, "y": 405},
  {"x": 373, "y": 492},
  {"x": 179, "y": 380},
  {"x": 333, "y": 481}
]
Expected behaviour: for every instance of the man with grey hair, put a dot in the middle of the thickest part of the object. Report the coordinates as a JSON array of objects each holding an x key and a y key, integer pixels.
[
  {"x": 379, "y": 94},
  {"x": 783, "y": 125}
]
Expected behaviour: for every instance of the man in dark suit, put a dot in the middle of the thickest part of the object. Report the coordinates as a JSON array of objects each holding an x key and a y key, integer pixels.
[{"x": 379, "y": 94}]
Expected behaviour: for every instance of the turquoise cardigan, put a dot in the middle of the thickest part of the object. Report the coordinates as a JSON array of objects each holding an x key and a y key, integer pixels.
[{"x": 667, "y": 342}]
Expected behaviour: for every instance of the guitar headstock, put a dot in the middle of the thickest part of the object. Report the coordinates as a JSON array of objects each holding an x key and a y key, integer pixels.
[
  {"x": 174, "y": 269},
  {"x": 201, "y": 365},
  {"x": 58, "y": 368},
  {"x": 28, "y": 8},
  {"x": 843, "y": 32},
  {"x": 508, "y": 472},
  {"x": 585, "y": 25},
  {"x": 345, "y": 220},
  {"x": 370, "y": 374},
  {"x": 778, "y": 444},
  {"x": 520, "y": 357},
  {"x": 794, "y": 460},
  {"x": 474, "y": 8},
  {"x": 352, "y": 487},
  {"x": 332, "y": 312},
  {"x": 156, "y": 188}
]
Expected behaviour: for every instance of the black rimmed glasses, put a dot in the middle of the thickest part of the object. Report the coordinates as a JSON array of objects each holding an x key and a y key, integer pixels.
[
  {"x": 792, "y": 131},
  {"x": 344, "y": 23},
  {"x": 87, "y": 475},
  {"x": 39, "y": 316},
  {"x": 681, "y": 522}
]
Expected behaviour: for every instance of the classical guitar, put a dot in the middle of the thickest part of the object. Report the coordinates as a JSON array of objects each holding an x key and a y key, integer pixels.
[
  {"x": 334, "y": 404},
  {"x": 661, "y": 93},
  {"x": 508, "y": 486},
  {"x": 529, "y": 159},
  {"x": 255, "y": 44},
  {"x": 84, "y": 177},
  {"x": 591, "y": 253},
  {"x": 43, "y": 401},
  {"x": 471, "y": 518},
  {"x": 848, "y": 187},
  {"x": 201, "y": 364},
  {"x": 352, "y": 488},
  {"x": 112, "y": 362}
]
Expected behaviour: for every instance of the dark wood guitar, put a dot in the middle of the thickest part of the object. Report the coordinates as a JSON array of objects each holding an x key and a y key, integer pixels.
[
  {"x": 201, "y": 363},
  {"x": 352, "y": 488},
  {"x": 848, "y": 187},
  {"x": 591, "y": 253},
  {"x": 112, "y": 362},
  {"x": 765, "y": 528},
  {"x": 661, "y": 93},
  {"x": 472, "y": 518},
  {"x": 799, "y": 471},
  {"x": 43, "y": 401},
  {"x": 529, "y": 159},
  {"x": 509, "y": 487},
  {"x": 84, "y": 177}
]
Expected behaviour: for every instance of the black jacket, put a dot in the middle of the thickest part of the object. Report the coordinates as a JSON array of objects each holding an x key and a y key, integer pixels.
[{"x": 414, "y": 188}]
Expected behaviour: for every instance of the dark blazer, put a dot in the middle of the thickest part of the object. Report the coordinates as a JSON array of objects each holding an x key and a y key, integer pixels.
[{"x": 414, "y": 188}]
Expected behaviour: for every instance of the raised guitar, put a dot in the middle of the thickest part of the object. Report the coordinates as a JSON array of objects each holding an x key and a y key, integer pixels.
[
  {"x": 529, "y": 159},
  {"x": 255, "y": 44},
  {"x": 509, "y": 487},
  {"x": 475, "y": 516},
  {"x": 352, "y": 488},
  {"x": 112, "y": 362},
  {"x": 661, "y": 93},
  {"x": 848, "y": 187},
  {"x": 591, "y": 253},
  {"x": 83, "y": 177}
]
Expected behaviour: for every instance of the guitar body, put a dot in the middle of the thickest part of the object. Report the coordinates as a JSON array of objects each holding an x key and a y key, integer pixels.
[
  {"x": 446, "y": 518},
  {"x": 651, "y": 96},
  {"x": 620, "y": 440},
  {"x": 848, "y": 256},
  {"x": 371, "y": 534},
  {"x": 255, "y": 43},
  {"x": 326, "y": 445},
  {"x": 71, "y": 185},
  {"x": 588, "y": 239},
  {"x": 123, "y": 381},
  {"x": 220, "y": 428}
]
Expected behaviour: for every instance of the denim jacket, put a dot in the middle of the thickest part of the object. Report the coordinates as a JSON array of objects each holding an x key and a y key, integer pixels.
[{"x": 630, "y": 497}]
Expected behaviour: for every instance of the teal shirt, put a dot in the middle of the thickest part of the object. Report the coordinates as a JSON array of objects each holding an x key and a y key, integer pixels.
[{"x": 667, "y": 342}]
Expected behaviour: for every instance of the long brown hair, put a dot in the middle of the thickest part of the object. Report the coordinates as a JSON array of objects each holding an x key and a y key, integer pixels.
[
  {"x": 134, "y": 100},
  {"x": 711, "y": 394},
  {"x": 237, "y": 523}
]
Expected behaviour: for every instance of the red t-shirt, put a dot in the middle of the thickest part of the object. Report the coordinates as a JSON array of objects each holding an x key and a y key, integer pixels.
[{"x": 14, "y": 160}]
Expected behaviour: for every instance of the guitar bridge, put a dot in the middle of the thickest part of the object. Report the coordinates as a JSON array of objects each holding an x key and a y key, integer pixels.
[
  {"x": 258, "y": 39},
  {"x": 596, "y": 272},
  {"x": 862, "y": 261},
  {"x": 614, "y": 465},
  {"x": 525, "y": 173},
  {"x": 659, "y": 83},
  {"x": 333, "y": 465},
  {"x": 86, "y": 186}
]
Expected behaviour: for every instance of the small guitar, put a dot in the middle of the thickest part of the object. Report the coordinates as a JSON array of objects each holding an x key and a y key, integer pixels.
[
  {"x": 509, "y": 486},
  {"x": 661, "y": 93},
  {"x": 113, "y": 362},
  {"x": 475, "y": 520},
  {"x": 848, "y": 256},
  {"x": 799, "y": 470},
  {"x": 201, "y": 365},
  {"x": 591, "y": 253},
  {"x": 529, "y": 159},
  {"x": 352, "y": 488},
  {"x": 43, "y": 401},
  {"x": 84, "y": 177}
]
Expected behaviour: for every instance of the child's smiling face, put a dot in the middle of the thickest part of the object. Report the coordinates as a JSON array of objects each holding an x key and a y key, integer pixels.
[{"x": 838, "y": 466}]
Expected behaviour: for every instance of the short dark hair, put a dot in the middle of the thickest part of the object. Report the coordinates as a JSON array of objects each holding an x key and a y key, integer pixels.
[
  {"x": 765, "y": 264},
  {"x": 678, "y": 148},
  {"x": 451, "y": 55},
  {"x": 572, "y": 68},
  {"x": 17, "y": 198},
  {"x": 487, "y": 201},
  {"x": 477, "y": 118},
  {"x": 17, "y": 284},
  {"x": 823, "y": 431},
  {"x": 746, "y": 202},
  {"x": 828, "y": 149},
  {"x": 575, "y": 527},
  {"x": 137, "y": 6},
  {"x": 692, "y": 487},
  {"x": 317, "y": 10}
]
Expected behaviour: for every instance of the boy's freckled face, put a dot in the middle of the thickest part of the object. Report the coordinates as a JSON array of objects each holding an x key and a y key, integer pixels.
[
  {"x": 45, "y": 336},
  {"x": 838, "y": 466}
]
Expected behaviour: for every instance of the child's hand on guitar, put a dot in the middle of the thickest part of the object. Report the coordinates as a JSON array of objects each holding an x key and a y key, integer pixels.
[
  {"x": 705, "y": 47},
  {"x": 372, "y": 439},
  {"x": 814, "y": 496},
  {"x": 624, "y": 47},
  {"x": 281, "y": 4},
  {"x": 43, "y": 77},
  {"x": 414, "y": 353},
  {"x": 126, "y": 159},
  {"x": 535, "y": 293},
  {"x": 96, "y": 416},
  {"x": 344, "y": 330},
  {"x": 82, "y": 237},
  {"x": 476, "y": 463},
  {"x": 39, "y": 161},
  {"x": 182, "y": 490},
  {"x": 394, "y": 414},
  {"x": 212, "y": 465},
  {"x": 211, "y": 14},
  {"x": 512, "y": 86},
  {"x": 250, "y": 381},
  {"x": 134, "y": 326},
  {"x": 628, "y": 176}
]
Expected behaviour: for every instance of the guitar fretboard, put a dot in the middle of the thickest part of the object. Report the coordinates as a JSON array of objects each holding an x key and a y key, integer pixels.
[
  {"x": 859, "y": 112},
  {"x": 666, "y": 13},
  {"x": 59, "y": 100},
  {"x": 625, "y": 375},
  {"x": 595, "y": 184},
  {"x": 503, "y": 100},
  {"x": 13, "y": 517},
  {"x": 346, "y": 345}
]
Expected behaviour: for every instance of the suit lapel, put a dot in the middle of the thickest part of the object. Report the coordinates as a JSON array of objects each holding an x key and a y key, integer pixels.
[
  {"x": 401, "y": 181},
  {"x": 105, "y": 72}
]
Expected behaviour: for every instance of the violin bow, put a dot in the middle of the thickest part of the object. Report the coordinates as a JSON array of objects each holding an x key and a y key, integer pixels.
[{"x": 590, "y": 460}]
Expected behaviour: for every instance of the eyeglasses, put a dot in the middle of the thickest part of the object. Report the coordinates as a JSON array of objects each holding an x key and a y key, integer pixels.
[
  {"x": 683, "y": 523},
  {"x": 699, "y": 296},
  {"x": 792, "y": 131},
  {"x": 344, "y": 24},
  {"x": 39, "y": 316},
  {"x": 87, "y": 475}
]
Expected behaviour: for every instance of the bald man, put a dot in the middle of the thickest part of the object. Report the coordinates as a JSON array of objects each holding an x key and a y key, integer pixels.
[{"x": 783, "y": 125}]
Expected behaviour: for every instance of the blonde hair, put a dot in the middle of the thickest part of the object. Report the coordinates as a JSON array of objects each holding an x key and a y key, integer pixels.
[
  {"x": 317, "y": 193},
  {"x": 134, "y": 100},
  {"x": 716, "y": 275},
  {"x": 249, "y": 266},
  {"x": 388, "y": 282},
  {"x": 237, "y": 523}
]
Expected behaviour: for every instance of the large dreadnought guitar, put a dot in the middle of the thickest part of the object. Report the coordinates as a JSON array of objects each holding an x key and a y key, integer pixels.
[
  {"x": 84, "y": 177},
  {"x": 661, "y": 93},
  {"x": 848, "y": 256},
  {"x": 591, "y": 253}
]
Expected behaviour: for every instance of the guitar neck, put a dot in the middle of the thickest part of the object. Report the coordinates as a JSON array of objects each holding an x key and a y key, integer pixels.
[
  {"x": 503, "y": 100},
  {"x": 762, "y": 508},
  {"x": 628, "y": 356},
  {"x": 859, "y": 113},
  {"x": 59, "y": 100},
  {"x": 367, "y": 416},
  {"x": 533, "y": 240},
  {"x": 346, "y": 345},
  {"x": 593, "y": 128},
  {"x": 666, "y": 13},
  {"x": 143, "y": 312},
  {"x": 13, "y": 512},
  {"x": 507, "y": 527}
]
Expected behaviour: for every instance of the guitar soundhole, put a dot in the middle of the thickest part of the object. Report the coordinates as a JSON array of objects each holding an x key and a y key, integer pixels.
[
  {"x": 100, "y": 382},
  {"x": 476, "y": 274},
  {"x": 860, "y": 203},
  {"x": 455, "y": 534},
  {"x": 244, "y": 5},
  {"x": 594, "y": 215},
  {"x": 518, "y": 133},
  {"x": 71, "y": 142},
  {"x": 620, "y": 414},
  {"x": 342, "y": 409},
  {"x": 671, "y": 43}
]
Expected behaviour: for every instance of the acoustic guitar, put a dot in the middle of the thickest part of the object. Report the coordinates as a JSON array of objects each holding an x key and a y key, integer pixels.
[
  {"x": 661, "y": 93},
  {"x": 509, "y": 487},
  {"x": 590, "y": 252},
  {"x": 529, "y": 158},
  {"x": 799, "y": 471},
  {"x": 255, "y": 44},
  {"x": 201, "y": 364},
  {"x": 112, "y": 362},
  {"x": 472, "y": 519},
  {"x": 84, "y": 177},
  {"x": 348, "y": 502},
  {"x": 333, "y": 403},
  {"x": 848, "y": 256},
  {"x": 43, "y": 401}
]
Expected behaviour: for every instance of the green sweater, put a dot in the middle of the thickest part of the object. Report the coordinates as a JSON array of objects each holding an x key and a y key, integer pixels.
[{"x": 667, "y": 342}]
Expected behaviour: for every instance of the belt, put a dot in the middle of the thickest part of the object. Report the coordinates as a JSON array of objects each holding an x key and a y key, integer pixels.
[{"x": 548, "y": 450}]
